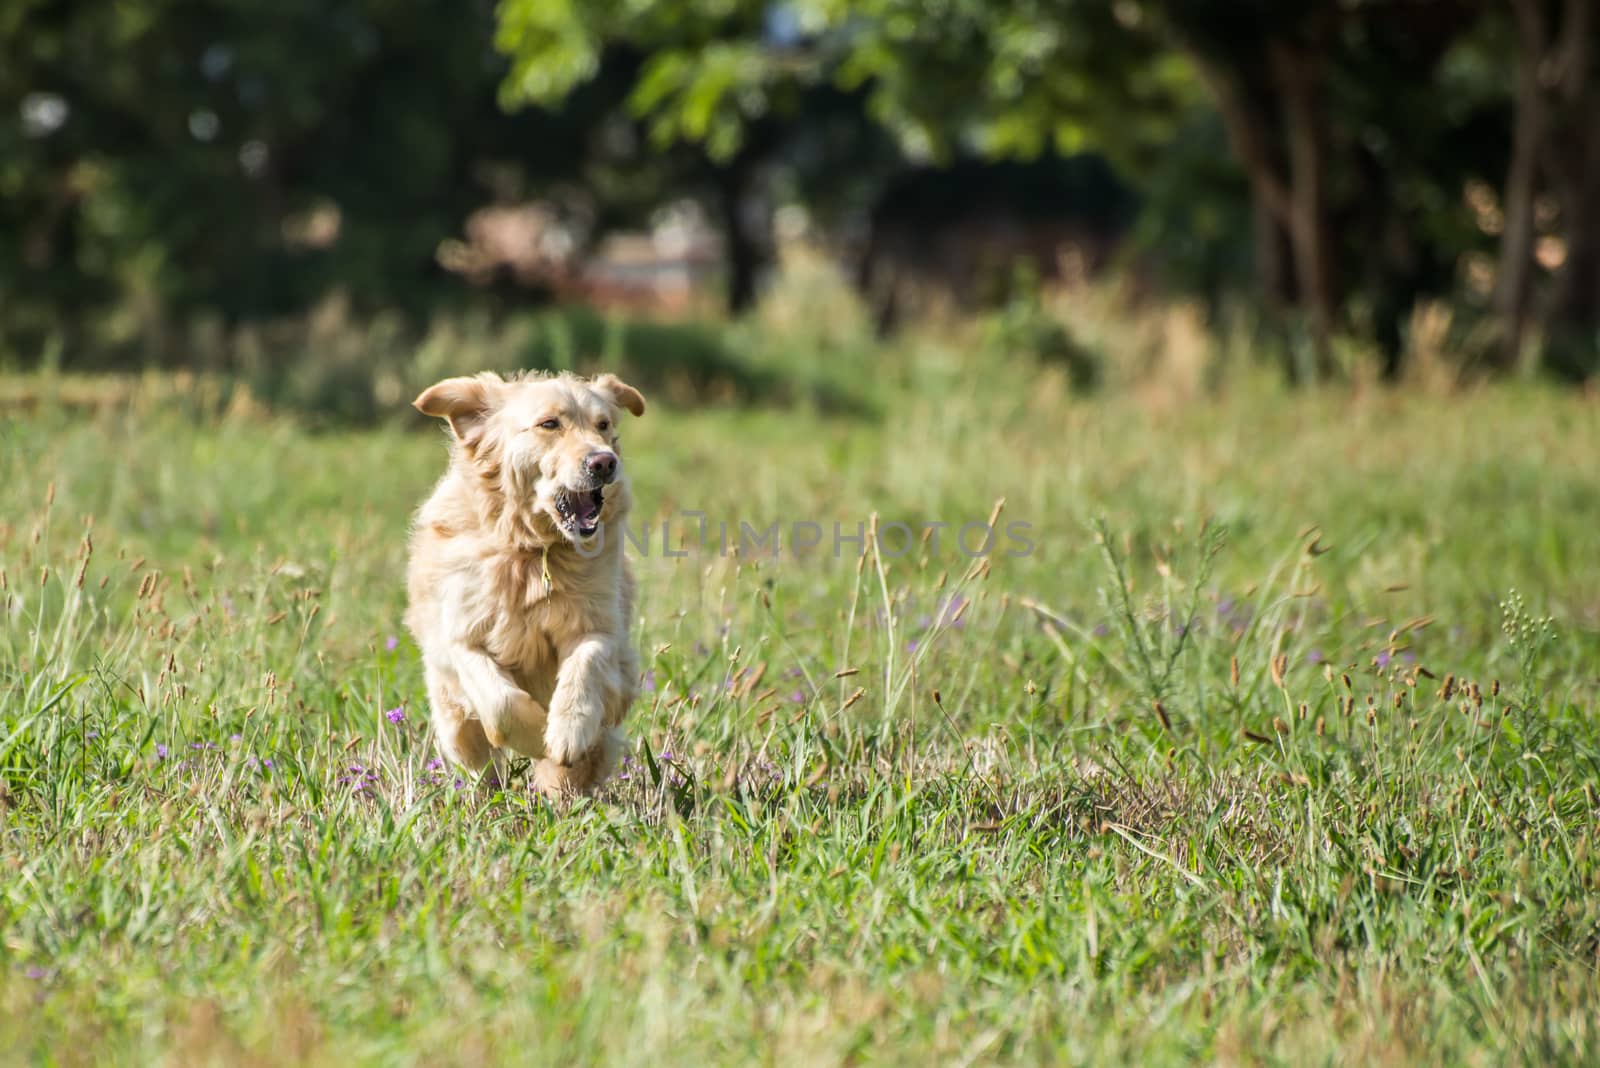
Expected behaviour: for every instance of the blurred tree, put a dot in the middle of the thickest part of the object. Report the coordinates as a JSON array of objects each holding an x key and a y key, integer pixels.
[
  {"x": 1336, "y": 114},
  {"x": 1325, "y": 103},
  {"x": 160, "y": 158},
  {"x": 1556, "y": 148},
  {"x": 745, "y": 81},
  {"x": 244, "y": 157}
]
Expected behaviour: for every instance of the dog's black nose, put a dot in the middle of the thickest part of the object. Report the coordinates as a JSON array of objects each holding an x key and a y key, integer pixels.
[{"x": 601, "y": 465}]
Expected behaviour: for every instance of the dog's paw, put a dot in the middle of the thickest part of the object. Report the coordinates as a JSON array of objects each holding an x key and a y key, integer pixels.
[
  {"x": 557, "y": 782},
  {"x": 570, "y": 737}
]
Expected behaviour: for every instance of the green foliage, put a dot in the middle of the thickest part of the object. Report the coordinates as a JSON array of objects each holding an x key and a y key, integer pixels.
[
  {"x": 235, "y": 162},
  {"x": 1025, "y": 329},
  {"x": 704, "y": 75},
  {"x": 1006, "y": 79},
  {"x": 240, "y": 162}
]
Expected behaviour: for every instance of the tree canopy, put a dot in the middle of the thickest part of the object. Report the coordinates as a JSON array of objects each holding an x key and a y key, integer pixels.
[
  {"x": 1338, "y": 162},
  {"x": 1360, "y": 130}
]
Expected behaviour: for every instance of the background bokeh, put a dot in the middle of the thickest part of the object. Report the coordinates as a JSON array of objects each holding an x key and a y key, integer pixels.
[{"x": 182, "y": 182}]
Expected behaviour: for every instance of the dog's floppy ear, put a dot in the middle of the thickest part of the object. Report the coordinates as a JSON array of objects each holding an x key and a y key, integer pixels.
[
  {"x": 465, "y": 402},
  {"x": 620, "y": 392}
]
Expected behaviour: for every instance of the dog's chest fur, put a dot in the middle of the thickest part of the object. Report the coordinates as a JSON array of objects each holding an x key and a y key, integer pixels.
[{"x": 540, "y": 602}]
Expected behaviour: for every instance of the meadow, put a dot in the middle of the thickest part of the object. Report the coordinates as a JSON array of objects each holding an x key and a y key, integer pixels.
[{"x": 1280, "y": 745}]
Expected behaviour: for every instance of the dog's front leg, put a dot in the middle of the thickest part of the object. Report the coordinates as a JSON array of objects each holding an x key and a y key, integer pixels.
[
  {"x": 511, "y": 719},
  {"x": 587, "y": 682}
]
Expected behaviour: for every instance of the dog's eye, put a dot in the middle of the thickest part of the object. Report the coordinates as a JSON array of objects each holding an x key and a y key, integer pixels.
[
  {"x": 603, "y": 425},
  {"x": 550, "y": 424}
]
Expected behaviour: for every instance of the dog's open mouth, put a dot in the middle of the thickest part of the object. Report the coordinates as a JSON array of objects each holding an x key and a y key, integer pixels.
[{"x": 580, "y": 510}]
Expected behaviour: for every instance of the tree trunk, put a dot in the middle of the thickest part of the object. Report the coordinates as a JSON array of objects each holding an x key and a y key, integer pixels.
[
  {"x": 1514, "y": 276},
  {"x": 1249, "y": 134},
  {"x": 1296, "y": 74},
  {"x": 746, "y": 230},
  {"x": 1273, "y": 261},
  {"x": 1572, "y": 322},
  {"x": 1249, "y": 125}
]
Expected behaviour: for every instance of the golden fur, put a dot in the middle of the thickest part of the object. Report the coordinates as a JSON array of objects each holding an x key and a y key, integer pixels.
[{"x": 522, "y": 615}]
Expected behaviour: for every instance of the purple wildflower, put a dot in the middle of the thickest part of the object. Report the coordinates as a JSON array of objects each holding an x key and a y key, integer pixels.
[
  {"x": 161, "y": 751},
  {"x": 1101, "y": 631},
  {"x": 1382, "y": 659},
  {"x": 435, "y": 764},
  {"x": 911, "y": 646},
  {"x": 396, "y": 715},
  {"x": 36, "y": 972},
  {"x": 798, "y": 697},
  {"x": 391, "y": 643},
  {"x": 360, "y": 778},
  {"x": 1314, "y": 656},
  {"x": 648, "y": 683}
]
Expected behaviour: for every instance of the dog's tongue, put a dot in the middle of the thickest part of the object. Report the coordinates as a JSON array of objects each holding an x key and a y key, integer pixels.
[{"x": 586, "y": 509}]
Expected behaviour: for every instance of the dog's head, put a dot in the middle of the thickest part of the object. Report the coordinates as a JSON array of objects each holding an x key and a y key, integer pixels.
[{"x": 548, "y": 445}]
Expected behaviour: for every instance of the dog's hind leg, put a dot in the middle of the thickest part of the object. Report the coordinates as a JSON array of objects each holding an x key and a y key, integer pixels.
[{"x": 460, "y": 736}]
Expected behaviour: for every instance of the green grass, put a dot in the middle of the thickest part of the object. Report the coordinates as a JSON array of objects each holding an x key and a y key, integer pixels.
[{"x": 1001, "y": 850}]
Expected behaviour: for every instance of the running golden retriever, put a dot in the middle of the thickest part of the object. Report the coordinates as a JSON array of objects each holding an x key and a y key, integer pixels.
[{"x": 519, "y": 600}]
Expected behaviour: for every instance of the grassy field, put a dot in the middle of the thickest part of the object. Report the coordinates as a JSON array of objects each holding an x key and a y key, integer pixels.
[{"x": 1255, "y": 757}]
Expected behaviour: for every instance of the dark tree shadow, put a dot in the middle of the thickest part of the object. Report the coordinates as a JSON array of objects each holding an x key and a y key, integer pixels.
[{"x": 688, "y": 364}]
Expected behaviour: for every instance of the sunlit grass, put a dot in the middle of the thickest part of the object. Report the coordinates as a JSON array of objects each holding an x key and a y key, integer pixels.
[{"x": 880, "y": 807}]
